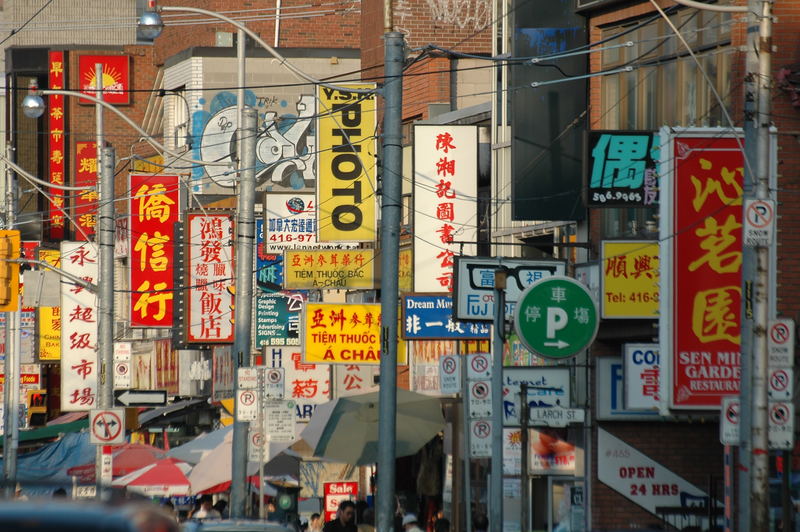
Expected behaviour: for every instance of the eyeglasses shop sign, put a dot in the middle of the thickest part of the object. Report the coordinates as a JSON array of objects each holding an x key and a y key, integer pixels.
[{"x": 474, "y": 284}]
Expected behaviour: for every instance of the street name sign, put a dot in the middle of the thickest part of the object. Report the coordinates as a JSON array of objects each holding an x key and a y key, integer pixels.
[
  {"x": 556, "y": 317},
  {"x": 107, "y": 426},
  {"x": 556, "y": 416},
  {"x": 140, "y": 397}
]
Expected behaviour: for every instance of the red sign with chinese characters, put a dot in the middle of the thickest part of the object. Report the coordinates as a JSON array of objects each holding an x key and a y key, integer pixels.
[
  {"x": 707, "y": 269},
  {"x": 85, "y": 211},
  {"x": 210, "y": 268},
  {"x": 57, "y": 146},
  {"x": 154, "y": 210},
  {"x": 116, "y": 77}
]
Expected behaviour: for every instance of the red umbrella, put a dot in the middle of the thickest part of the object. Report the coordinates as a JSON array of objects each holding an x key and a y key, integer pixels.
[
  {"x": 164, "y": 478},
  {"x": 127, "y": 458}
]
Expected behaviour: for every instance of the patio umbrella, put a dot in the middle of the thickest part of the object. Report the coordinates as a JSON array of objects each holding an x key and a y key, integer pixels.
[
  {"x": 127, "y": 458},
  {"x": 193, "y": 451},
  {"x": 213, "y": 472},
  {"x": 164, "y": 478},
  {"x": 346, "y": 429}
]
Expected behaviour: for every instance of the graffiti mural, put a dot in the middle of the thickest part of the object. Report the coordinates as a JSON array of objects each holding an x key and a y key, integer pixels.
[{"x": 285, "y": 147}]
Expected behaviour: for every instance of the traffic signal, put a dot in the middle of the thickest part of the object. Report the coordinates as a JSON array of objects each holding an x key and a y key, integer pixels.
[
  {"x": 285, "y": 503},
  {"x": 37, "y": 408},
  {"x": 9, "y": 271}
]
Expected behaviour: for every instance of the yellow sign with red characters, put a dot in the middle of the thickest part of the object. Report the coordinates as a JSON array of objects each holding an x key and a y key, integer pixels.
[
  {"x": 337, "y": 269},
  {"x": 344, "y": 333},
  {"x": 50, "y": 317},
  {"x": 630, "y": 279}
]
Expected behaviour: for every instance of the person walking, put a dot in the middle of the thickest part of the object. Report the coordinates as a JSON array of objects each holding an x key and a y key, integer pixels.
[
  {"x": 410, "y": 523},
  {"x": 345, "y": 520}
]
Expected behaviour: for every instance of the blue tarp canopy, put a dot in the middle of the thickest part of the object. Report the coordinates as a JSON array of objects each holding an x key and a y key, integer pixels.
[{"x": 50, "y": 463}]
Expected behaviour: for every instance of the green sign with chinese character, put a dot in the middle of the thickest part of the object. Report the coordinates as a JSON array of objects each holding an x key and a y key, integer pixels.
[{"x": 556, "y": 317}]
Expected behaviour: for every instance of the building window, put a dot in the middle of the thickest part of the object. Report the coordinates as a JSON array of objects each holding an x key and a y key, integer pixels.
[{"x": 665, "y": 88}]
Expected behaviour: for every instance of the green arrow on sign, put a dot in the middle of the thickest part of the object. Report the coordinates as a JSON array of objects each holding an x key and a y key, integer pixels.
[{"x": 556, "y": 317}]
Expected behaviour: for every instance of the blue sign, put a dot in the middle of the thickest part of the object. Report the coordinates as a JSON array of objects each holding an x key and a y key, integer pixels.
[
  {"x": 430, "y": 317},
  {"x": 269, "y": 266}
]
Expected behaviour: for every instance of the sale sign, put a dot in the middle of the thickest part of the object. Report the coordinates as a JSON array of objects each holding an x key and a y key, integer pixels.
[
  {"x": 335, "y": 493},
  {"x": 154, "y": 209},
  {"x": 56, "y": 119},
  {"x": 706, "y": 231}
]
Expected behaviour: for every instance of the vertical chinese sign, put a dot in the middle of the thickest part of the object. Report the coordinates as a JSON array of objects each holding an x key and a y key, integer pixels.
[
  {"x": 58, "y": 143},
  {"x": 210, "y": 270},
  {"x": 79, "y": 368},
  {"x": 706, "y": 231},
  {"x": 85, "y": 211},
  {"x": 347, "y": 164},
  {"x": 445, "y": 202},
  {"x": 49, "y": 322},
  {"x": 154, "y": 209}
]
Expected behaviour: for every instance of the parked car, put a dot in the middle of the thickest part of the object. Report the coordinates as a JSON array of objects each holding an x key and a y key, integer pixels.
[
  {"x": 41, "y": 515},
  {"x": 235, "y": 525}
]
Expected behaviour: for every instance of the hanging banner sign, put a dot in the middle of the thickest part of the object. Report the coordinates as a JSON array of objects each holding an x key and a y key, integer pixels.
[
  {"x": 622, "y": 169},
  {"x": 347, "y": 164},
  {"x": 445, "y": 202},
  {"x": 702, "y": 312},
  {"x": 84, "y": 214},
  {"x": 154, "y": 209},
  {"x": 209, "y": 306},
  {"x": 79, "y": 368},
  {"x": 630, "y": 279},
  {"x": 329, "y": 269},
  {"x": 57, "y": 157},
  {"x": 342, "y": 333}
]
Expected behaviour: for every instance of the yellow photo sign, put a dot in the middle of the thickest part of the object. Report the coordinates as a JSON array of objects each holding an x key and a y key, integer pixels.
[
  {"x": 346, "y": 164},
  {"x": 338, "y": 269},
  {"x": 630, "y": 273},
  {"x": 344, "y": 333}
]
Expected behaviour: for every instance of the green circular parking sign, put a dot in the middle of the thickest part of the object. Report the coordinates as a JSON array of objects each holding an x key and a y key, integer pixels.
[{"x": 556, "y": 317}]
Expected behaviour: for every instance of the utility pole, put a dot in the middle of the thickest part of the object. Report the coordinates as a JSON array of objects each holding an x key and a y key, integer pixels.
[
  {"x": 391, "y": 193},
  {"x": 759, "y": 436},
  {"x": 243, "y": 303},
  {"x": 13, "y": 342},
  {"x": 498, "y": 339}
]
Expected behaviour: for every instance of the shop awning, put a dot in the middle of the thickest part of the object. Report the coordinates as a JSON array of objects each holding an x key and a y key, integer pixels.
[{"x": 52, "y": 431}]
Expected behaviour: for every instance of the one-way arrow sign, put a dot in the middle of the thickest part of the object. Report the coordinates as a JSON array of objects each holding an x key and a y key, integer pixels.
[{"x": 140, "y": 397}]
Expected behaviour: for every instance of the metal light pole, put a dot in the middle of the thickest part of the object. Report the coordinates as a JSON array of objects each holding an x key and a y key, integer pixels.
[
  {"x": 391, "y": 187},
  {"x": 498, "y": 339},
  {"x": 244, "y": 244}
]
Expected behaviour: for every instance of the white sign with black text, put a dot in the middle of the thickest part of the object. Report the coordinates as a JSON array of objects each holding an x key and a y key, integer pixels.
[
  {"x": 480, "y": 438},
  {"x": 449, "y": 374}
]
